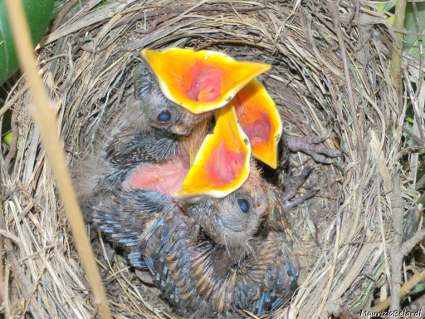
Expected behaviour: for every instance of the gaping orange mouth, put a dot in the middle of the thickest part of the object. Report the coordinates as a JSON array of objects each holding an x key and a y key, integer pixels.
[{"x": 200, "y": 81}]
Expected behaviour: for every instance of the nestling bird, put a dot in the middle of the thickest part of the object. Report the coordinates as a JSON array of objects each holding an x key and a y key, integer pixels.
[
  {"x": 200, "y": 276},
  {"x": 214, "y": 254},
  {"x": 234, "y": 255},
  {"x": 229, "y": 222},
  {"x": 205, "y": 254},
  {"x": 224, "y": 230},
  {"x": 148, "y": 130},
  {"x": 195, "y": 273},
  {"x": 148, "y": 150},
  {"x": 151, "y": 128},
  {"x": 159, "y": 112}
]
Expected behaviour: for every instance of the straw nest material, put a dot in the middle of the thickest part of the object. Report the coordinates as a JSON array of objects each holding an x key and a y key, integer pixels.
[{"x": 330, "y": 77}]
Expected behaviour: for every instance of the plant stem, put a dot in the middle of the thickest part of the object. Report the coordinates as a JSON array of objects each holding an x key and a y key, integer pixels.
[
  {"x": 44, "y": 117},
  {"x": 395, "y": 69}
]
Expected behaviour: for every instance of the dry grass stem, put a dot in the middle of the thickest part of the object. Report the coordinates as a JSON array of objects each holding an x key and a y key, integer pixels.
[
  {"x": 400, "y": 14},
  {"x": 44, "y": 118}
]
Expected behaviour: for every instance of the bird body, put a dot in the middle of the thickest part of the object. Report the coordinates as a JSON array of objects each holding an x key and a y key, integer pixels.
[
  {"x": 198, "y": 276},
  {"x": 194, "y": 272},
  {"x": 205, "y": 254}
]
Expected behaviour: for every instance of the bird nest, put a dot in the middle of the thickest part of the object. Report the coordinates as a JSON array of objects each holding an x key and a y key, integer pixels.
[{"x": 330, "y": 77}]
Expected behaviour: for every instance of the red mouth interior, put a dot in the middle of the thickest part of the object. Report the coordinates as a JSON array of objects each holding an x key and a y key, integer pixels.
[
  {"x": 259, "y": 130},
  {"x": 206, "y": 83},
  {"x": 224, "y": 165},
  {"x": 166, "y": 178}
]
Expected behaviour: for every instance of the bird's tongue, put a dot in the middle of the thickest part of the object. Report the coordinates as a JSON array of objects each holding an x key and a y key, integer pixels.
[{"x": 166, "y": 178}]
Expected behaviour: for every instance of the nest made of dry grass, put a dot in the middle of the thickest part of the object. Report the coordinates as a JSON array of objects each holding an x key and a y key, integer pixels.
[{"x": 330, "y": 77}]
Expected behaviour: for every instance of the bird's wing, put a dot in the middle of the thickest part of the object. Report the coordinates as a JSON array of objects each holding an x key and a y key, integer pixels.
[
  {"x": 129, "y": 148},
  {"x": 126, "y": 218}
]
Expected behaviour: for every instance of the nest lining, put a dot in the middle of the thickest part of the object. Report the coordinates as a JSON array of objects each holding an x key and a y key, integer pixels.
[{"x": 330, "y": 78}]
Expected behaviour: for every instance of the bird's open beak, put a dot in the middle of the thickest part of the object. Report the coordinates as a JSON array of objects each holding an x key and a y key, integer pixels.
[
  {"x": 260, "y": 120},
  {"x": 222, "y": 163},
  {"x": 200, "y": 81}
]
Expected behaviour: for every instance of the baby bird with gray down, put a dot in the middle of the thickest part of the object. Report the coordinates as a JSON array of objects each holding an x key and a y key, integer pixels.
[
  {"x": 211, "y": 240},
  {"x": 207, "y": 256},
  {"x": 145, "y": 151},
  {"x": 233, "y": 247}
]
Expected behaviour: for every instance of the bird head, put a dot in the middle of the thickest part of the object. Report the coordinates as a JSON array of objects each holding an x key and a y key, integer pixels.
[
  {"x": 160, "y": 112},
  {"x": 233, "y": 220}
]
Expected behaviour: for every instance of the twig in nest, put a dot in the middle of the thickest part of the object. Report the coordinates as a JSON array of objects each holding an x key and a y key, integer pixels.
[
  {"x": 417, "y": 110},
  {"x": 333, "y": 7},
  {"x": 67, "y": 7},
  {"x": 405, "y": 249},
  {"x": 3, "y": 284},
  {"x": 408, "y": 245},
  {"x": 44, "y": 117},
  {"x": 420, "y": 183},
  {"x": 400, "y": 14},
  {"x": 404, "y": 291},
  {"x": 309, "y": 34},
  {"x": 396, "y": 256},
  {"x": 5, "y": 297},
  {"x": 420, "y": 44},
  {"x": 231, "y": 42}
]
